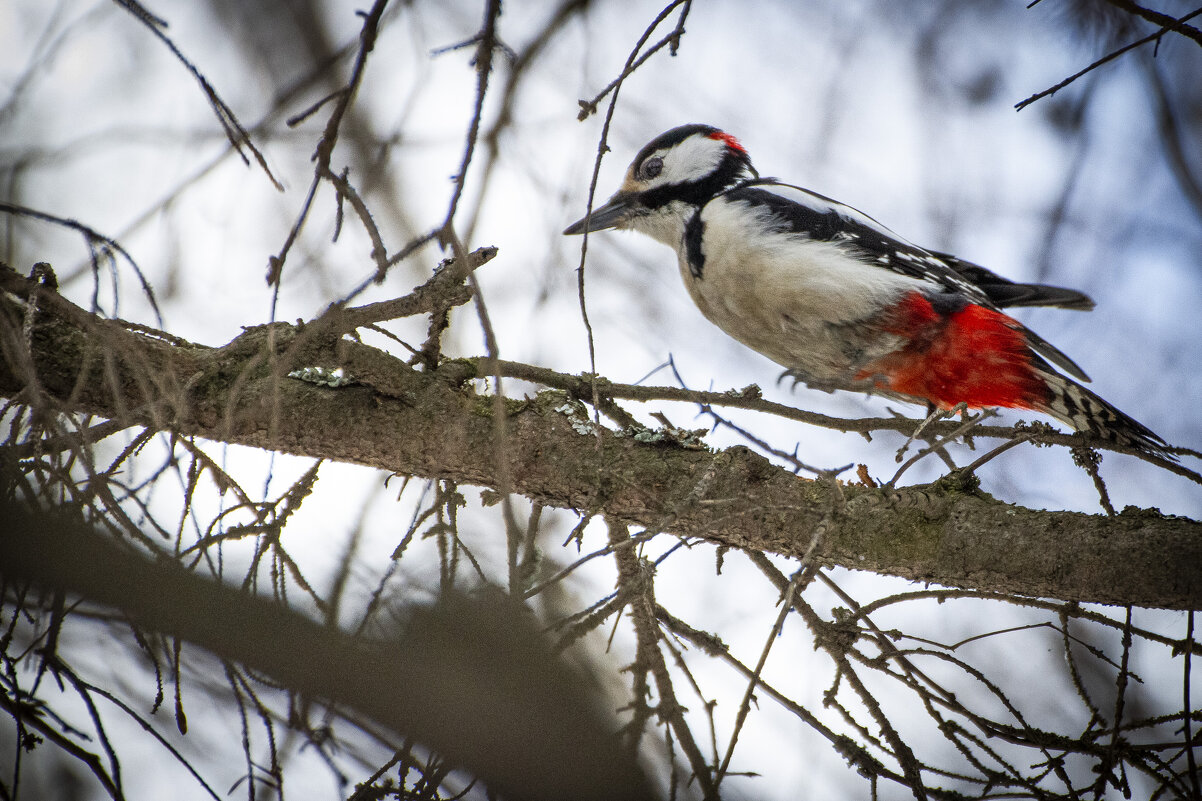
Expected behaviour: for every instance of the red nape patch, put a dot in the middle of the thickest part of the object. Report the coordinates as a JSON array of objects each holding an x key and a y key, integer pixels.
[
  {"x": 973, "y": 355},
  {"x": 731, "y": 142}
]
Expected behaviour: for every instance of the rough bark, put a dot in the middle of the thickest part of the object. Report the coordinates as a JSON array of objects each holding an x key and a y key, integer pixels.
[{"x": 433, "y": 424}]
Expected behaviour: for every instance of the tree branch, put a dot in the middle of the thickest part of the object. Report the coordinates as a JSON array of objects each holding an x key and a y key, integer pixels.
[
  {"x": 470, "y": 676},
  {"x": 432, "y": 424},
  {"x": 1165, "y": 21},
  {"x": 1175, "y": 24}
]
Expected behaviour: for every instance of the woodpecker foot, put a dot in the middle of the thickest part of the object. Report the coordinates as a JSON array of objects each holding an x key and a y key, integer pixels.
[{"x": 802, "y": 377}]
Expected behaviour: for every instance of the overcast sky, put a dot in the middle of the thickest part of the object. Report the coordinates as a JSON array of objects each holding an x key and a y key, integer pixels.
[{"x": 902, "y": 109}]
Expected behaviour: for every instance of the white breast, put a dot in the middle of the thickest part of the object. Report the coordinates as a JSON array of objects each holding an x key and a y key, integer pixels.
[{"x": 796, "y": 300}]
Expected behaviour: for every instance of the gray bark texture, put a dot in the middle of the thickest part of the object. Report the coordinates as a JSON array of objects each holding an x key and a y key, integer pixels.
[{"x": 433, "y": 424}]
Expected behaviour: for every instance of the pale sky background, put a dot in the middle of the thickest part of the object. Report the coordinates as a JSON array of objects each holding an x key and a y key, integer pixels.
[{"x": 901, "y": 109}]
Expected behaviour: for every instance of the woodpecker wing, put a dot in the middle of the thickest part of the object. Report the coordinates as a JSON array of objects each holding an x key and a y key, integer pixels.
[
  {"x": 793, "y": 210},
  {"x": 1005, "y": 293}
]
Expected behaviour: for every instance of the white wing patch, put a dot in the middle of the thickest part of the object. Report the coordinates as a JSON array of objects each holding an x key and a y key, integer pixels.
[
  {"x": 686, "y": 161},
  {"x": 823, "y": 204},
  {"x": 839, "y": 223}
]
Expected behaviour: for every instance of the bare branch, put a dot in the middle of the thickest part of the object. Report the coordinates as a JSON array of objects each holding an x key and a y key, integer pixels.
[
  {"x": 329, "y": 139},
  {"x": 1163, "y": 20},
  {"x": 234, "y": 131},
  {"x": 950, "y": 533},
  {"x": 455, "y": 665},
  {"x": 1176, "y": 24}
]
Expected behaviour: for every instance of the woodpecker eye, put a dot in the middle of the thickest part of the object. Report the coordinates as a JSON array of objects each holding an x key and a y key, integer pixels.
[{"x": 652, "y": 167}]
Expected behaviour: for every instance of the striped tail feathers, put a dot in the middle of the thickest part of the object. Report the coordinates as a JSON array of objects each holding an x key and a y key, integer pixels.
[{"x": 1080, "y": 408}]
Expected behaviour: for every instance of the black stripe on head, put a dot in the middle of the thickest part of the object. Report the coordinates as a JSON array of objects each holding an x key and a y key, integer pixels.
[
  {"x": 790, "y": 217},
  {"x": 673, "y": 137},
  {"x": 694, "y": 230}
]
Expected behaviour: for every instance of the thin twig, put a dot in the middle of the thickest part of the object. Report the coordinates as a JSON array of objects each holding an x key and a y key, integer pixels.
[
  {"x": 92, "y": 237},
  {"x": 325, "y": 145},
  {"x": 1158, "y": 18},
  {"x": 1187, "y": 706},
  {"x": 234, "y": 131},
  {"x": 587, "y": 108},
  {"x": 582, "y": 387},
  {"x": 1104, "y": 59},
  {"x": 786, "y": 606}
]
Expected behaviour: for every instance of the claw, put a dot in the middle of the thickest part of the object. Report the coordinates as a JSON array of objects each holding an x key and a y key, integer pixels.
[
  {"x": 798, "y": 377},
  {"x": 802, "y": 377}
]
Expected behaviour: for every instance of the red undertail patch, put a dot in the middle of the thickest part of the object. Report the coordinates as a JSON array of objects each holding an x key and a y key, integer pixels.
[{"x": 972, "y": 355}]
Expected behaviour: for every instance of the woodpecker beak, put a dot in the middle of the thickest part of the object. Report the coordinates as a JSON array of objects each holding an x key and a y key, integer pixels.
[{"x": 619, "y": 209}]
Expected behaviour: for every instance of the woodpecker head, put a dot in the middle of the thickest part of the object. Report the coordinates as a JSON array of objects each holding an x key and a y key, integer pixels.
[{"x": 673, "y": 174}]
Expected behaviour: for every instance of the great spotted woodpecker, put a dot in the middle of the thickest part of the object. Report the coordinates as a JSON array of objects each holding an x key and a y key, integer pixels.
[{"x": 843, "y": 302}]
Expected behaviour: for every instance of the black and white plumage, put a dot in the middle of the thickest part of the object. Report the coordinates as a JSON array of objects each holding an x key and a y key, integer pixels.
[{"x": 842, "y": 301}]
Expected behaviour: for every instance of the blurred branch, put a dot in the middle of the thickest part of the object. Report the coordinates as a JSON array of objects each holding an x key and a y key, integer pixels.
[
  {"x": 1164, "y": 20},
  {"x": 237, "y": 135},
  {"x": 1176, "y": 140},
  {"x": 435, "y": 426},
  {"x": 469, "y": 676},
  {"x": 518, "y": 70},
  {"x": 1174, "y": 25},
  {"x": 29, "y": 714},
  {"x": 486, "y": 42}
]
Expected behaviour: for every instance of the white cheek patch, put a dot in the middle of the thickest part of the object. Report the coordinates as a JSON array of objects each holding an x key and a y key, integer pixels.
[{"x": 690, "y": 160}]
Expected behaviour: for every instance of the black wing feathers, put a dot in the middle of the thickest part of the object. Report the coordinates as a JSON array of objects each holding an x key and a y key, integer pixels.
[
  {"x": 823, "y": 219},
  {"x": 826, "y": 220},
  {"x": 1004, "y": 292}
]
